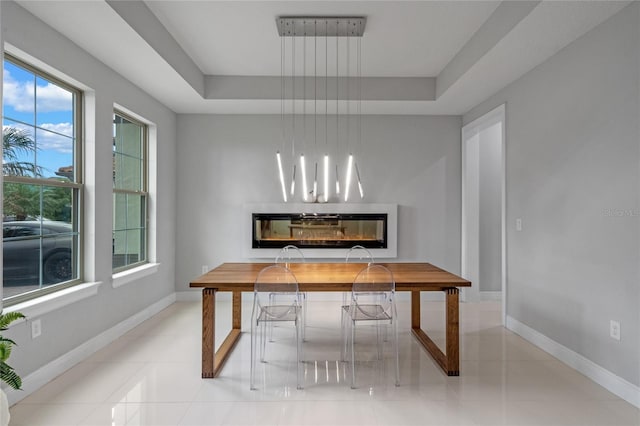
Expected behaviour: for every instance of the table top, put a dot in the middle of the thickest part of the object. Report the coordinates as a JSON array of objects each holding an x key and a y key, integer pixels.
[{"x": 330, "y": 276}]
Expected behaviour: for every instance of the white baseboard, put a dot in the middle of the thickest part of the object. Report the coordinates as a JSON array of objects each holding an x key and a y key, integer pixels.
[
  {"x": 490, "y": 296},
  {"x": 50, "y": 371},
  {"x": 613, "y": 383},
  {"x": 189, "y": 296}
]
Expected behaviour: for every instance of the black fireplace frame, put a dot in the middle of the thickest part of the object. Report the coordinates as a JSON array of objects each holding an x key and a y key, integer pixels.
[{"x": 326, "y": 219}]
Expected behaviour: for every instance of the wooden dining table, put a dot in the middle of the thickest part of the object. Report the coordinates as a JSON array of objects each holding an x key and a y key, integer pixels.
[{"x": 333, "y": 277}]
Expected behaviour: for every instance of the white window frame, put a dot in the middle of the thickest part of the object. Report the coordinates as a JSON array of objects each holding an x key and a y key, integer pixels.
[
  {"x": 77, "y": 184},
  {"x": 143, "y": 191},
  {"x": 131, "y": 275}
]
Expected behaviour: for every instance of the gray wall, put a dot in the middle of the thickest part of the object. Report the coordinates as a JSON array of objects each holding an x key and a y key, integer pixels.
[
  {"x": 227, "y": 161},
  {"x": 572, "y": 176},
  {"x": 65, "y": 329}
]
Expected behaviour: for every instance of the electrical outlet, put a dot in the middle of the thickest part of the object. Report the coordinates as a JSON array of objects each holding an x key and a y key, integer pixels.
[
  {"x": 36, "y": 328},
  {"x": 614, "y": 329},
  {"x": 205, "y": 269}
]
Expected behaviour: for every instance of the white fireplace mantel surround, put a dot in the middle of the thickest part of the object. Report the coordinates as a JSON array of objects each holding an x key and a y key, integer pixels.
[{"x": 309, "y": 208}]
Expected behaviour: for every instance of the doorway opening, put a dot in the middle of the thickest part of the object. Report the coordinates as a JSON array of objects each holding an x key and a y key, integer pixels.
[{"x": 483, "y": 208}]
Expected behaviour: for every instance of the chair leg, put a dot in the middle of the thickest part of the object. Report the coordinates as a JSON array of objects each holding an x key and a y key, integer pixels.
[
  {"x": 353, "y": 354},
  {"x": 395, "y": 350},
  {"x": 378, "y": 342},
  {"x": 299, "y": 358},
  {"x": 263, "y": 339},
  {"x": 272, "y": 301},
  {"x": 252, "y": 379},
  {"x": 343, "y": 335},
  {"x": 304, "y": 316}
]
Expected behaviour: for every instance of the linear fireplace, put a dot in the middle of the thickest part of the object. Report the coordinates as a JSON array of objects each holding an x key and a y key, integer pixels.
[
  {"x": 322, "y": 230},
  {"x": 319, "y": 230}
]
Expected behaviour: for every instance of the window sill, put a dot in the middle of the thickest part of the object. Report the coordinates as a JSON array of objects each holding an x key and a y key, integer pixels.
[
  {"x": 53, "y": 301},
  {"x": 131, "y": 275}
]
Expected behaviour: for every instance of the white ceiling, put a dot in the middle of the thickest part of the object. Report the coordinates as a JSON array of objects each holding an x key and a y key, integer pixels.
[
  {"x": 240, "y": 38},
  {"x": 465, "y": 50}
]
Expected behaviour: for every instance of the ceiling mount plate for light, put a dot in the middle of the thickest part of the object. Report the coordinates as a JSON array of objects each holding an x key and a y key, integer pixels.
[{"x": 320, "y": 26}]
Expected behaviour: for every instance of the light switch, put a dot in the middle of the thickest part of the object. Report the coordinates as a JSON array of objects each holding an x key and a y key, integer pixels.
[{"x": 518, "y": 224}]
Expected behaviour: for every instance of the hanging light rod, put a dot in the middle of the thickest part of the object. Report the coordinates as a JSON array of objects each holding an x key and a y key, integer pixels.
[{"x": 331, "y": 26}]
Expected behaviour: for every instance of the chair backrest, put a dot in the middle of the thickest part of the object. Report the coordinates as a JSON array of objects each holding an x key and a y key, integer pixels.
[
  {"x": 290, "y": 254},
  {"x": 276, "y": 279},
  {"x": 374, "y": 286},
  {"x": 359, "y": 254}
]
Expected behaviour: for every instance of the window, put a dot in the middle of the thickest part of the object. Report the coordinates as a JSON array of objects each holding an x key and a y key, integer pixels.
[
  {"x": 130, "y": 196},
  {"x": 42, "y": 206}
]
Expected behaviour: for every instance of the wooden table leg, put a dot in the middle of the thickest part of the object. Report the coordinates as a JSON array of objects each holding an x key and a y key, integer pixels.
[
  {"x": 448, "y": 361},
  {"x": 213, "y": 360},
  {"x": 453, "y": 332},
  {"x": 237, "y": 310},
  {"x": 415, "y": 309},
  {"x": 208, "y": 331}
]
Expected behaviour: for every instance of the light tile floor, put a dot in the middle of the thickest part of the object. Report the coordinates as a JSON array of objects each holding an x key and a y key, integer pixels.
[{"x": 151, "y": 376}]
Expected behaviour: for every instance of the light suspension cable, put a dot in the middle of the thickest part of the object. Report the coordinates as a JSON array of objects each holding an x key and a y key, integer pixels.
[
  {"x": 303, "y": 167},
  {"x": 278, "y": 159},
  {"x": 293, "y": 111},
  {"x": 315, "y": 111},
  {"x": 350, "y": 160},
  {"x": 326, "y": 116},
  {"x": 359, "y": 48},
  {"x": 337, "y": 122}
]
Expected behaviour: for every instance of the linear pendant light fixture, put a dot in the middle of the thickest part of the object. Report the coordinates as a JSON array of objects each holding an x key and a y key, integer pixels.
[{"x": 345, "y": 28}]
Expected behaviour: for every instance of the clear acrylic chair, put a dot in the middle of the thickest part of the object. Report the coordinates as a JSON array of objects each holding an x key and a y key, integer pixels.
[
  {"x": 290, "y": 254},
  {"x": 286, "y": 256},
  {"x": 278, "y": 280},
  {"x": 356, "y": 254},
  {"x": 372, "y": 302},
  {"x": 359, "y": 254}
]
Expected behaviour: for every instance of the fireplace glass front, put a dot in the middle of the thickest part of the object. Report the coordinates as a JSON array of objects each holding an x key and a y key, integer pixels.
[{"x": 319, "y": 230}]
